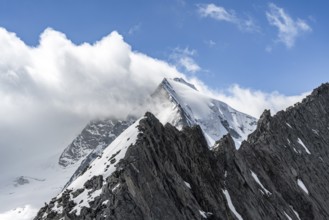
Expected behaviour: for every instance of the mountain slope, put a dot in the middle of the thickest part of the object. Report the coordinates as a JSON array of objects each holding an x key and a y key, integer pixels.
[
  {"x": 22, "y": 196},
  {"x": 280, "y": 172},
  {"x": 97, "y": 134},
  {"x": 175, "y": 101},
  {"x": 191, "y": 107}
]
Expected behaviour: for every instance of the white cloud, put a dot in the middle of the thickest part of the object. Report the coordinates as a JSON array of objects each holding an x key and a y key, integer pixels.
[
  {"x": 252, "y": 102},
  {"x": 268, "y": 49},
  {"x": 134, "y": 29},
  {"x": 221, "y": 14},
  {"x": 49, "y": 92},
  {"x": 289, "y": 29},
  {"x": 183, "y": 59},
  {"x": 210, "y": 43},
  {"x": 217, "y": 12}
]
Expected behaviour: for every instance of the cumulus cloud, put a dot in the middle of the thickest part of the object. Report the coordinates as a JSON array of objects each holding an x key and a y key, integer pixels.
[
  {"x": 49, "y": 92},
  {"x": 184, "y": 59},
  {"x": 288, "y": 28},
  {"x": 219, "y": 13}
]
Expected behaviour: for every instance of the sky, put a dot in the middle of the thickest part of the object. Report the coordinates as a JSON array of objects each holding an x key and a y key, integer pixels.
[
  {"x": 66, "y": 62},
  {"x": 268, "y": 46}
]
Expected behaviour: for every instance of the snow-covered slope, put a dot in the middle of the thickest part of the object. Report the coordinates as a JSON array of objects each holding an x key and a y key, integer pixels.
[
  {"x": 103, "y": 165},
  {"x": 97, "y": 135},
  {"x": 22, "y": 196},
  {"x": 183, "y": 105}
]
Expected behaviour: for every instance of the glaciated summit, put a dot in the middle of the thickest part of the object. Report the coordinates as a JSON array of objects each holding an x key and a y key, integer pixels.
[{"x": 192, "y": 107}]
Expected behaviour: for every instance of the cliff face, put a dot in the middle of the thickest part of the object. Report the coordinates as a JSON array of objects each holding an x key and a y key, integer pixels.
[
  {"x": 166, "y": 174},
  {"x": 280, "y": 172},
  {"x": 290, "y": 153}
]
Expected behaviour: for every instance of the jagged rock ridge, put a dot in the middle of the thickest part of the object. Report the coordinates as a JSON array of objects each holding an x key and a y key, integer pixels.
[{"x": 280, "y": 172}]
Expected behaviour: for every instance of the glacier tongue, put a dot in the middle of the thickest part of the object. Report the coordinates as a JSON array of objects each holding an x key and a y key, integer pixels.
[{"x": 191, "y": 107}]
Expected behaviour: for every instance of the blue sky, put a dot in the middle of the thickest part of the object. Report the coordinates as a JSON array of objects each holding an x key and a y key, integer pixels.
[{"x": 242, "y": 48}]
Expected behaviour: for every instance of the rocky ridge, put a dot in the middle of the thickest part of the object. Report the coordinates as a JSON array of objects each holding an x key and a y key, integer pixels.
[{"x": 280, "y": 172}]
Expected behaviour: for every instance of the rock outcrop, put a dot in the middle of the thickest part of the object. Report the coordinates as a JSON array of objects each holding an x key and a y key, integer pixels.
[{"x": 280, "y": 172}]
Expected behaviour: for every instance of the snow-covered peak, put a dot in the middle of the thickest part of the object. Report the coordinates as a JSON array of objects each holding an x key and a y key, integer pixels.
[
  {"x": 181, "y": 80},
  {"x": 216, "y": 118}
]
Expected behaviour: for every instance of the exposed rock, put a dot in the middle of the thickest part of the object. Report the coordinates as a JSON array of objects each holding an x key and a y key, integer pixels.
[
  {"x": 94, "y": 137},
  {"x": 280, "y": 172},
  {"x": 21, "y": 181},
  {"x": 95, "y": 183}
]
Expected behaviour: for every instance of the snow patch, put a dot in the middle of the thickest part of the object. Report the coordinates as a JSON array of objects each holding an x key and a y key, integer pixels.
[
  {"x": 187, "y": 184},
  {"x": 296, "y": 213},
  {"x": 84, "y": 198},
  {"x": 203, "y": 214},
  {"x": 105, "y": 202},
  {"x": 315, "y": 132},
  {"x": 114, "y": 188},
  {"x": 303, "y": 145},
  {"x": 57, "y": 208},
  {"x": 302, "y": 185},
  {"x": 288, "y": 217},
  {"x": 230, "y": 204},
  {"x": 288, "y": 125},
  {"x": 259, "y": 183}
]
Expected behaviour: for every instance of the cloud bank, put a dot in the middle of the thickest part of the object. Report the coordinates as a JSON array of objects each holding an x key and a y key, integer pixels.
[
  {"x": 87, "y": 79},
  {"x": 250, "y": 101},
  {"x": 49, "y": 92},
  {"x": 288, "y": 28}
]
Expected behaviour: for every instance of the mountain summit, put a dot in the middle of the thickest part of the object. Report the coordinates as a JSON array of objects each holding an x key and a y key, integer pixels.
[{"x": 190, "y": 107}]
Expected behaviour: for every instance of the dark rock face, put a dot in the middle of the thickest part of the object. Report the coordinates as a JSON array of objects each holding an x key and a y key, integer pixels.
[
  {"x": 290, "y": 154},
  {"x": 167, "y": 174},
  {"x": 21, "y": 181},
  {"x": 280, "y": 172}
]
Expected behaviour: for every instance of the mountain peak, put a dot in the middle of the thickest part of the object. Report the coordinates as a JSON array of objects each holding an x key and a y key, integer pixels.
[
  {"x": 193, "y": 107},
  {"x": 321, "y": 91},
  {"x": 181, "y": 80}
]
